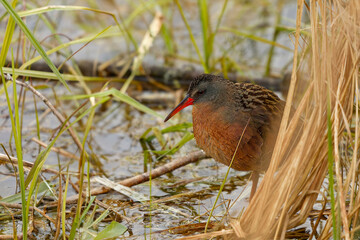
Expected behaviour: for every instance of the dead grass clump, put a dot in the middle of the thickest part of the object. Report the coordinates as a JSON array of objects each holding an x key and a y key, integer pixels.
[{"x": 286, "y": 197}]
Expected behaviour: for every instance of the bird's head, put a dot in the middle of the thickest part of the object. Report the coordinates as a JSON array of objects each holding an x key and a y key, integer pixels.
[{"x": 204, "y": 88}]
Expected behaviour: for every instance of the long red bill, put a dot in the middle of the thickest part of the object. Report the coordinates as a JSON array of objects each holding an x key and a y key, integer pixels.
[{"x": 187, "y": 101}]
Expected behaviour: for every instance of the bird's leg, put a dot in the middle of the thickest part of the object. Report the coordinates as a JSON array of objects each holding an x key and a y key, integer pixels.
[{"x": 254, "y": 179}]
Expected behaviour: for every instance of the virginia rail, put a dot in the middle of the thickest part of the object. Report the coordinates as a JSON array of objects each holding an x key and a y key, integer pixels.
[{"x": 227, "y": 114}]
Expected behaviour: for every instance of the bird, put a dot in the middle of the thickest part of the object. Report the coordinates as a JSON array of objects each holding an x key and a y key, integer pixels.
[{"x": 234, "y": 123}]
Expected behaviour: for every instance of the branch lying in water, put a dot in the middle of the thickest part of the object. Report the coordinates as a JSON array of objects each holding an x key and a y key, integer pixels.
[{"x": 157, "y": 172}]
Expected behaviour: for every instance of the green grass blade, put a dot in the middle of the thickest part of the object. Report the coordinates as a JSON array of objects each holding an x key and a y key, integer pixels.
[
  {"x": 50, "y": 8},
  {"x": 129, "y": 100},
  {"x": 14, "y": 122},
  {"x": 168, "y": 40},
  {"x": 7, "y": 39},
  {"x": 114, "y": 229},
  {"x": 50, "y": 75},
  {"x": 100, "y": 218},
  {"x": 206, "y": 70},
  {"x": 187, "y": 137},
  {"x": 40, "y": 160},
  {"x": 110, "y": 33},
  {"x": 181, "y": 127},
  {"x": 255, "y": 38},
  {"x": 18, "y": 143},
  {"x": 33, "y": 40},
  {"x": 92, "y": 199},
  {"x": 206, "y": 30},
  {"x": 280, "y": 5},
  {"x": 16, "y": 198},
  {"x": 63, "y": 207},
  {"x": 16, "y": 132},
  {"x": 120, "y": 97},
  {"x": 214, "y": 33},
  {"x": 336, "y": 231},
  {"x": 221, "y": 16},
  {"x": 84, "y": 158}
]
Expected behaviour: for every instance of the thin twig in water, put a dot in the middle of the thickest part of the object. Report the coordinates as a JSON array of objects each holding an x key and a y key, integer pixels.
[
  {"x": 59, "y": 116},
  {"x": 56, "y": 149},
  {"x": 19, "y": 206},
  {"x": 157, "y": 172},
  {"x": 13, "y": 160}
]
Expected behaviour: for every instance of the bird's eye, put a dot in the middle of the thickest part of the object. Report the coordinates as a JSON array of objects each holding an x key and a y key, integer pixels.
[{"x": 200, "y": 92}]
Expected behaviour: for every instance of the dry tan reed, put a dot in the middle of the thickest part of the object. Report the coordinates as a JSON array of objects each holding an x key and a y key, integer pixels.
[{"x": 287, "y": 194}]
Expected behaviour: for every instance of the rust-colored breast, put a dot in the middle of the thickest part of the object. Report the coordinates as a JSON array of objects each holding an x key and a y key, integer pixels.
[{"x": 218, "y": 134}]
